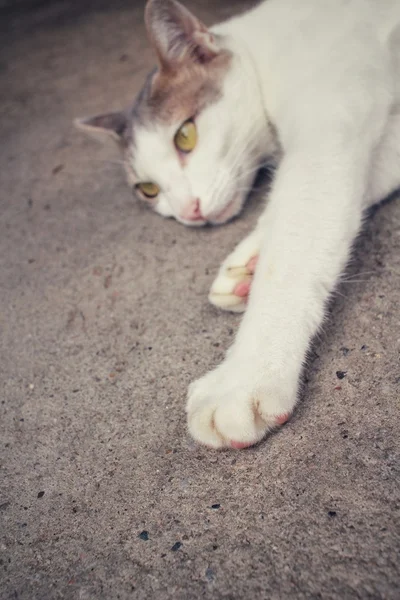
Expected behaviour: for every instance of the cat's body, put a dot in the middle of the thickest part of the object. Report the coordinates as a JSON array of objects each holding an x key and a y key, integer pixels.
[{"x": 313, "y": 85}]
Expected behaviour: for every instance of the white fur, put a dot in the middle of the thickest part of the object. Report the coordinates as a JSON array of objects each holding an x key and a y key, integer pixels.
[{"x": 329, "y": 77}]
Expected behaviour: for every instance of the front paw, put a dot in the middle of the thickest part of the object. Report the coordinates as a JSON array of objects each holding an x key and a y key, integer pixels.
[
  {"x": 232, "y": 407},
  {"x": 231, "y": 287}
]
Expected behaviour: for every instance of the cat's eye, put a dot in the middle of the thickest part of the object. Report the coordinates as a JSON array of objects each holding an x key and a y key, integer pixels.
[
  {"x": 186, "y": 137},
  {"x": 150, "y": 190}
]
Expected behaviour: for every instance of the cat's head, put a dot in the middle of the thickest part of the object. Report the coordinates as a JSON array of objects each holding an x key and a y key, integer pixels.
[{"x": 191, "y": 140}]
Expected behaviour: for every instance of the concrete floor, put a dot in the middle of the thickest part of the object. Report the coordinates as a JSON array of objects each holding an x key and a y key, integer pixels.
[{"x": 104, "y": 322}]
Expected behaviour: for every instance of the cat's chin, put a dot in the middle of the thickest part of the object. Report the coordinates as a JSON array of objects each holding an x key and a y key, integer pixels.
[{"x": 197, "y": 223}]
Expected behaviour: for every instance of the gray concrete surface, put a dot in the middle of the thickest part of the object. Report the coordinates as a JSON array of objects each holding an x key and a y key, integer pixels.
[{"x": 104, "y": 322}]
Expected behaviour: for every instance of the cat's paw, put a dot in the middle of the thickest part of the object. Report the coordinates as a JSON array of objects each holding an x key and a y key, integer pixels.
[
  {"x": 227, "y": 408},
  {"x": 231, "y": 287}
]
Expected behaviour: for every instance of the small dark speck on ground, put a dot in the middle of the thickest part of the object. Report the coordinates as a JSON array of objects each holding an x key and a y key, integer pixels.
[
  {"x": 215, "y": 506},
  {"x": 210, "y": 574},
  {"x": 341, "y": 374},
  {"x": 144, "y": 535},
  {"x": 364, "y": 348},
  {"x": 57, "y": 169},
  {"x": 332, "y": 513},
  {"x": 176, "y": 546},
  {"x": 40, "y": 495},
  {"x": 345, "y": 351}
]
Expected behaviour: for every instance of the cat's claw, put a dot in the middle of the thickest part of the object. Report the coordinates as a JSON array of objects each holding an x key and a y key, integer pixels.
[{"x": 226, "y": 410}]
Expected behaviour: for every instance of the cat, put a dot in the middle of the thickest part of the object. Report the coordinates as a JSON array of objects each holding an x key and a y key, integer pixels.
[{"x": 311, "y": 86}]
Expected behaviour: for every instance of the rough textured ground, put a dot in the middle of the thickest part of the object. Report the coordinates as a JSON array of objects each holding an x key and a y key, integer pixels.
[{"x": 104, "y": 322}]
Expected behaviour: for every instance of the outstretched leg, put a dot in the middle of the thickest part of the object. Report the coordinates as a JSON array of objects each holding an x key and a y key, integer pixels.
[
  {"x": 231, "y": 287},
  {"x": 307, "y": 233}
]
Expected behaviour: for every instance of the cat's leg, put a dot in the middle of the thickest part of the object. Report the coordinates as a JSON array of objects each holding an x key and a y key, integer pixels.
[
  {"x": 385, "y": 168},
  {"x": 231, "y": 287},
  {"x": 313, "y": 216}
]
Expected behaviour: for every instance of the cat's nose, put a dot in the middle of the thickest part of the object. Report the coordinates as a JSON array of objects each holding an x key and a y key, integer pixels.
[{"x": 192, "y": 211}]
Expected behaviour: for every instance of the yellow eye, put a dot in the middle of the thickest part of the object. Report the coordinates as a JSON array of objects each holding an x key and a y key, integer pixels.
[
  {"x": 150, "y": 190},
  {"x": 186, "y": 137}
]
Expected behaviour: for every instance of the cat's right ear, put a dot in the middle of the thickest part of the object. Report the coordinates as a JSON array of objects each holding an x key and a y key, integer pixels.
[
  {"x": 105, "y": 127},
  {"x": 177, "y": 35}
]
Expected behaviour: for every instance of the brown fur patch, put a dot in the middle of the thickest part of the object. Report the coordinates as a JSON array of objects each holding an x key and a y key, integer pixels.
[
  {"x": 178, "y": 96},
  {"x": 173, "y": 97}
]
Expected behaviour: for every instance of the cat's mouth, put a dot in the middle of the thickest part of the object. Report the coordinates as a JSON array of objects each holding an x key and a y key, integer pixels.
[{"x": 217, "y": 217}]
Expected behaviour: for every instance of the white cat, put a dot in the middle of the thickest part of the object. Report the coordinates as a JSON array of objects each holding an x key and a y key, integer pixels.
[{"x": 313, "y": 85}]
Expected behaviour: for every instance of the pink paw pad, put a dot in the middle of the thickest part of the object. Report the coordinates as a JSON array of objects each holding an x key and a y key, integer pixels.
[
  {"x": 251, "y": 265},
  {"x": 241, "y": 445},
  {"x": 282, "y": 419},
  {"x": 242, "y": 289},
  {"x": 279, "y": 421}
]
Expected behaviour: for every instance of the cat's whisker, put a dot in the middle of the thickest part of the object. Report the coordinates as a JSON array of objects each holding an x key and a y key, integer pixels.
[
  {"x": 354, "y": 281},
  {"x": 219, "y": 183},
  {"x": 246, "y": 149},
  {"x": 220, "y": 186},
  {"x": 236, "y": 178},
  {"x": 250, "y": 188},
  {"x": 249, "y": 172},
  {"x": 351, "y": 278}
]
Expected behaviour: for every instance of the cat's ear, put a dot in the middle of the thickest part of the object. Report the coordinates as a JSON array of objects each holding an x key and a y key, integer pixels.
[
  {"x": 177, "y": 35},
  {"x": 104, "y": 127}
]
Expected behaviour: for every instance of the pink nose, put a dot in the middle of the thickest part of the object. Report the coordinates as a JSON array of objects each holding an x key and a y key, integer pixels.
[{"x": 192, "y": 211}]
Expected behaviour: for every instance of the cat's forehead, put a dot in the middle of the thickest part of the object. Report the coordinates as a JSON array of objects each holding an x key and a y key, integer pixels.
[{"x": 168, "y": 98}]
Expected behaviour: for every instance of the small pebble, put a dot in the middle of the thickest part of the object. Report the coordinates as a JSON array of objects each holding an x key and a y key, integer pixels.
[
  {"x": 341, "y": 374},
  {"x": 40, "y": 495},
  {"x": 215, "y": 506},
  {"x": 144, "y": 535},
  {"x": 332, "y": 513},
  {"x": 210, "y": 574},
  {"x": 176, "y": 546}
]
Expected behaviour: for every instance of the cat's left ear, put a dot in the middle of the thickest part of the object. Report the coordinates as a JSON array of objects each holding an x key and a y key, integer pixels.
[
  {"x": 177, "y": 35},
  {"x": 104, "y": 127}
]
